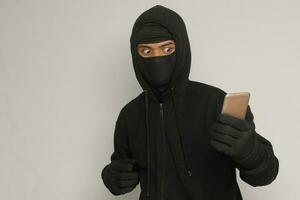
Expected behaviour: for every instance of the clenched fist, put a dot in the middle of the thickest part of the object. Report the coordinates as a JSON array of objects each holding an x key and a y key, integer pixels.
[{"x": 120, "y": 176}]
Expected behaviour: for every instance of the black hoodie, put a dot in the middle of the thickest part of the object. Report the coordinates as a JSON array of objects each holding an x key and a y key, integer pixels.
[{"x": 170, "y": 138}]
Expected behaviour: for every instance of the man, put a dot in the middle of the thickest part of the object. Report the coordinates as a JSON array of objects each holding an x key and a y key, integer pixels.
[{"x": 172, "y": 138}]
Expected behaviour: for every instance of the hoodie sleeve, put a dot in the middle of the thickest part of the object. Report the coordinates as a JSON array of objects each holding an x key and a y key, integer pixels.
[
  {"x": 121, "y": 147},
  {"x": 121, "y": 142},
  {"x": 261, "y": 166}
]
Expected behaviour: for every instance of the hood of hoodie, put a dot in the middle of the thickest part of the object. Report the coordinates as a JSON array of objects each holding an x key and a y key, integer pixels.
[{"x": 170, "y": 20}]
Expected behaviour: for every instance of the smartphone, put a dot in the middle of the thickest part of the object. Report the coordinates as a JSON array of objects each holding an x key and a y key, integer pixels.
[{"x": 235, "y": 104}]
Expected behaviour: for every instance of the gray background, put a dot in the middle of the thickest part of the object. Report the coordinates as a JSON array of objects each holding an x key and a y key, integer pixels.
[{"x": 66, "y": 71}]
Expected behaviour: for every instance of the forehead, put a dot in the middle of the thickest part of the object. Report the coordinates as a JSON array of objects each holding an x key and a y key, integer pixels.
[{"x": 162, "y": 43}]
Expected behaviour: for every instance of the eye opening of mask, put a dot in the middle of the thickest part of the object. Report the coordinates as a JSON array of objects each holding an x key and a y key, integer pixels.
[{"x": 163, "y": 47}]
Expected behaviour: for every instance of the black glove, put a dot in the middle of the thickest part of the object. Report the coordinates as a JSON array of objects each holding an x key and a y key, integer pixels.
[
  {"x": 234, "y": 137},
  {"x": 120, "y": 176}
]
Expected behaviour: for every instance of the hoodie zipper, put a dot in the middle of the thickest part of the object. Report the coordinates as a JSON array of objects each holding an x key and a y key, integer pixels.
[{"x": 164, "y": 150}]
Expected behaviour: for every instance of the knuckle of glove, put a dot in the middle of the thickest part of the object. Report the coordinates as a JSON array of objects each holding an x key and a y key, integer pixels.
[{"x": 227, "y": 128}]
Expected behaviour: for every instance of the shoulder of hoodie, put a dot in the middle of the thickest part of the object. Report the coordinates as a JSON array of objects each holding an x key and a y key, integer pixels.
[
  {"x": 133, "y": 106},
  {"x": 198, "y": 88},
  {"x": 204, "y": 92}
]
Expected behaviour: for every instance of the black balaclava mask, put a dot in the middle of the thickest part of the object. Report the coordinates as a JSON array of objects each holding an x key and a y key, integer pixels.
[{"x": 157, "y": 71}]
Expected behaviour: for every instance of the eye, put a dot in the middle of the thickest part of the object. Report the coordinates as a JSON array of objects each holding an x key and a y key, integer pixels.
[
  {"x": 168, "y": 50},
  {"x": 146, "y": 51}
]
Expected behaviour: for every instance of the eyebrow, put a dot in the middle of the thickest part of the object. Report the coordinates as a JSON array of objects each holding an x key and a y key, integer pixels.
[{"x": 161, "y": 45}]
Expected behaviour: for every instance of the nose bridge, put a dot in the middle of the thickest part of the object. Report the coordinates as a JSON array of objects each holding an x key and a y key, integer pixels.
[{"x": 157, "y": 52}]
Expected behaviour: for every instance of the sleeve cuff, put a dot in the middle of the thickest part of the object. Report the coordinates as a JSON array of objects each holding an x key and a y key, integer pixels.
[{"x": 254, "y": 158}]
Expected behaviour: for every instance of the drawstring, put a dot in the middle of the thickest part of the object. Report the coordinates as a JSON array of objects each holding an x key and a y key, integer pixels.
[
  {"x": 189, "y": 172},
  {"x": 148, "y": 145}
]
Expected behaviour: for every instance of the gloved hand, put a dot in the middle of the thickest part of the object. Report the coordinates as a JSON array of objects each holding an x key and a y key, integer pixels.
[
  {"x": 120, "y": 176},
  {"x": 234, "y": 137}
]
